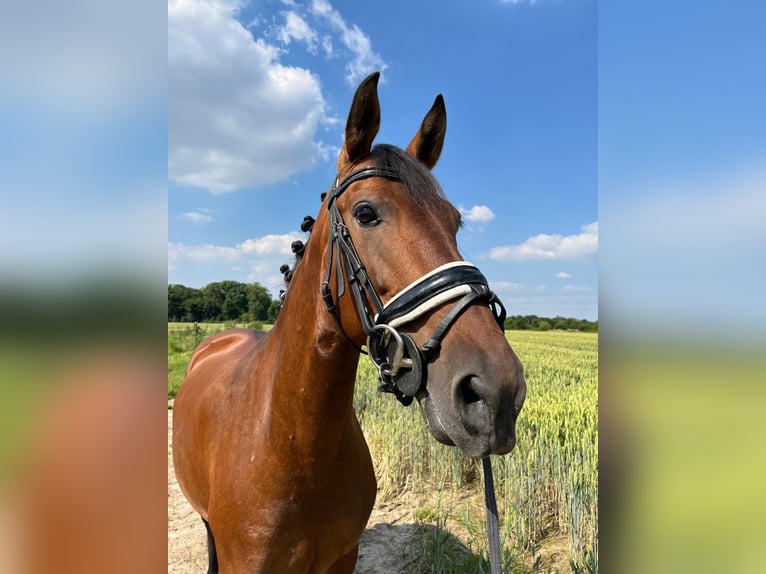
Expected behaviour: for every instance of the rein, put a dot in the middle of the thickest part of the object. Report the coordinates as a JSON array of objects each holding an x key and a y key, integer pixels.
[
  {"x": 400, "y": 363},
  {"x": 493, "y": 523}
]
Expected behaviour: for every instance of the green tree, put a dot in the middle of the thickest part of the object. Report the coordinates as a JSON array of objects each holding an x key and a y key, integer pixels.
[
  {"x": 177, "y": 296},
  {"x": 226, "y": 301},
  {"x": 234, "y": 306},
  {"x": 258, "y": 302},
  {"x": 194, "y": 306}
]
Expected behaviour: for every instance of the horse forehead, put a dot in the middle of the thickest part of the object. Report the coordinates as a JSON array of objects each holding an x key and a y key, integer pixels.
[
  {"x": 431, "y": 215},
  {"x": 421, "y": 208},
  {"x": 407, "y": 196}
]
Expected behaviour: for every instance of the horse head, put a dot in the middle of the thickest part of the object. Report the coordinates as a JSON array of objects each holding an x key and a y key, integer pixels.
[{"x": 431, "y": 323}]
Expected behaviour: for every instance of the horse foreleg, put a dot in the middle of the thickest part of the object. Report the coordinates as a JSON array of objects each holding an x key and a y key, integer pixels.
[
  {"x": 212, "y": 557},
  {"x": 345, "y": 565}
]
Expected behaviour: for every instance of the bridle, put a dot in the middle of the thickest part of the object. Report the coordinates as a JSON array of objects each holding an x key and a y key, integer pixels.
[{"x": 400, "y": 363}]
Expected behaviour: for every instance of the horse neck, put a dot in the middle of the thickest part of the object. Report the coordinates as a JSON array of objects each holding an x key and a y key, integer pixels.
[{"x": 315, "y": 364}]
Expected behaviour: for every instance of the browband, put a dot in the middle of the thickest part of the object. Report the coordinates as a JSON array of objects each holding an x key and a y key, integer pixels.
[{"x": 358, "y": 175}]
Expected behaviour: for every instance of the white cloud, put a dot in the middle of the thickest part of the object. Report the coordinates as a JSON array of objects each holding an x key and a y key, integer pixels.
[
  {"x": 563, "y": 275},
  {"x": 296, "y": 28},
  {"x": 199, "y": 216},
  {"x": 255, "y": 259},
  {"x": 551, "y": 247},
  {"x": 364, "y": 59},
  {"x": 327, "y": 47},
  {"x": 205, "y": 252},
  {"x": 506, "y": 286},
  {"x": 574, "y": 288},
  {"x": 237, "y": 117},
  {"x": 266, "y": 273},
  {"x": 270, "y": 244},
  {"x": 478, "y": 214}
]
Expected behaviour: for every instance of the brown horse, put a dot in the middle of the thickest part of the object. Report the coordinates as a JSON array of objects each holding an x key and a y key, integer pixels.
[{"x": 266, "y": 444}]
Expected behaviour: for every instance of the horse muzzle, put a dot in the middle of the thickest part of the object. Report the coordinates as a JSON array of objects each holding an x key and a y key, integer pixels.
[{"x": 478, "y": 416}]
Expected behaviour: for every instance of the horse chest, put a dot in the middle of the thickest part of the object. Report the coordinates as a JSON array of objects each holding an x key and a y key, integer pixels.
[
  {"x": 291, "y": 511},
  {"x": 305, "y": 534}
]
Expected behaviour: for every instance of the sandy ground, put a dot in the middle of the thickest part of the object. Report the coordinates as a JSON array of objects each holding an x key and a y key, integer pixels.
[{"x": 383, "y": 548}]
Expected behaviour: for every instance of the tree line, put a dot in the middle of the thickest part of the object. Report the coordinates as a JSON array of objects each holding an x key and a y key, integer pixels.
[
  {"x": 222, "y": 301},
  {"x": 250, "y": 302},
  {"x": 535, "y": 323}
]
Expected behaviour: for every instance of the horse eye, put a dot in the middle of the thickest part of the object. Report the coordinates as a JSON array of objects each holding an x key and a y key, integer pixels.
[{"x": 366, "y": 215}]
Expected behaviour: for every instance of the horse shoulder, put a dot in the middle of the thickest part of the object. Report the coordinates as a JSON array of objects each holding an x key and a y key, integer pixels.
[
  {"x": 202, "y": 409},
  {"x": 234, "y": 342}
]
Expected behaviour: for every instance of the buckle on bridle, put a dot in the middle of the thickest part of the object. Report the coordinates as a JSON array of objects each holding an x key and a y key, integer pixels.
[
  {"x": 398, "y": 360},
  {"x": 389, "y": 362}
]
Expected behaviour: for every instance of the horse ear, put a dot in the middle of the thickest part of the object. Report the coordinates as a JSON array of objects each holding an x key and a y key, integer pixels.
[
  {"x": 427, "y": 144},
  {"x": 363, "y": 122}
]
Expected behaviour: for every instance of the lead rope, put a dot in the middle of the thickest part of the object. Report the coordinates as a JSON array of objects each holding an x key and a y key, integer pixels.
[{"x": 493, "y": 524}]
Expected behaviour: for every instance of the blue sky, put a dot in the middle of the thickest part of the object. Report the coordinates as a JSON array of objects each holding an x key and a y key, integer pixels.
[{"x": 258, "y": 95}]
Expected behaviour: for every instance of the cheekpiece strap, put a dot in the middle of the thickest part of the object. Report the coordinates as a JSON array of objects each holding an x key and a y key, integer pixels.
[{"x": 341, "y": 251}]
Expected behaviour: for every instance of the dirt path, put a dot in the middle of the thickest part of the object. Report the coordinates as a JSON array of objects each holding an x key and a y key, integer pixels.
[{"x": 385, "y": 544}]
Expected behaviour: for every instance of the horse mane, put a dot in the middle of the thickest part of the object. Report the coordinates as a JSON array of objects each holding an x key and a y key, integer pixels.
[
  {"x": 416, "y": 179},
  {"x": 415, "y": 176}
]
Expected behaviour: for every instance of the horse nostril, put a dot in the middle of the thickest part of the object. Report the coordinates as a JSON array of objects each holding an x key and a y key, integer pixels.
[
  {"x": 471, "y": 405},
  {"x": 467, "y": 391}
]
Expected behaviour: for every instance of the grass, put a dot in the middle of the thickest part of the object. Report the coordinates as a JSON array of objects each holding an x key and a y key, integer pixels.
[
  {"x": 182, "y": 340},
  {"x": 547, "y": 489}
]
